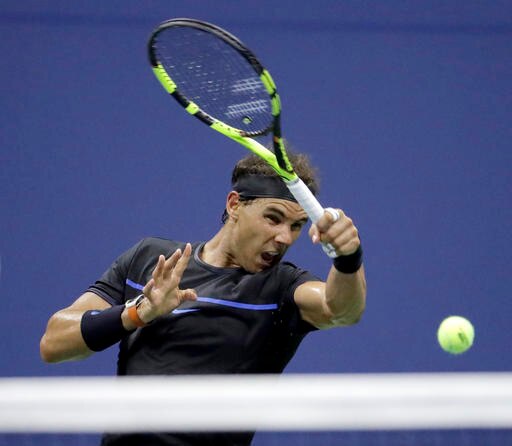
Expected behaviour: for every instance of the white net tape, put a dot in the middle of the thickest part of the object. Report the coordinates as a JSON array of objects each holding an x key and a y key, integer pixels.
[{"x": 247, "y": 402}]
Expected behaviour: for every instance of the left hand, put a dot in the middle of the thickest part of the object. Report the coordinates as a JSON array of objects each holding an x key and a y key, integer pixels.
[
  {"x": 342, "y": 234},
  {"x": 162, "y": 292}
]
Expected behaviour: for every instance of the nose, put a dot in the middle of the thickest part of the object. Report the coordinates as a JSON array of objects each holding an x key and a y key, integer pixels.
[{"x": 284, "y": 236}]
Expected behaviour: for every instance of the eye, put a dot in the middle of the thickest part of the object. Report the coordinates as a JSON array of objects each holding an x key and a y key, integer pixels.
[
  {"x": 297, "y": 226},
  {"x": 273, "y": 218}
]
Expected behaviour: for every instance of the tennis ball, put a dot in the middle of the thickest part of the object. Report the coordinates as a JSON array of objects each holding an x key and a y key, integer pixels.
[{"x": 455, "y": 334}]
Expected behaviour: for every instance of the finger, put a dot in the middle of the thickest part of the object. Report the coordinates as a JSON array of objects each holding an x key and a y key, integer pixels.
[
  {"x": 148, "y": 287},
  {"x": 159, "y": 266},
  {"x": 343, "y": 226},
  {"x": 347, "y": 248},
  {"x": 346, "y": 242},
  {"x": 188, "y": 249},
  {"x": 335, "y": 214},
  {"x": 340, "y": 235},
  {"x": 171, "y": 262},
  {"x": 314, "y": 234},
  {"x": 329, "y": 218},
  {"x": 182, "y": 263}
]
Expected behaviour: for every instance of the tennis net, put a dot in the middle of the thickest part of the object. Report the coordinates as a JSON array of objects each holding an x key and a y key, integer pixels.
[{"x": 362, "y": 409}]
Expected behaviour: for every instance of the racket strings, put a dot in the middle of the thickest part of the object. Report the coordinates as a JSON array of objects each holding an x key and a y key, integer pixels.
[{"x": 215, "y": 76}]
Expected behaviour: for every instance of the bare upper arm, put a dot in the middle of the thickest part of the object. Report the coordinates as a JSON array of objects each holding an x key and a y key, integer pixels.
[
  {"x": 310, "y": 298},
  {"x": 62, "y": 340},
  {"x": 66, "y": 316},
  {"x": 88, "y": 301}
]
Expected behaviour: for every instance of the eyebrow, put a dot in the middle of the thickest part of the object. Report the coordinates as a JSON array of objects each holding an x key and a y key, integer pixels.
[{"x": 282, "y": 214}]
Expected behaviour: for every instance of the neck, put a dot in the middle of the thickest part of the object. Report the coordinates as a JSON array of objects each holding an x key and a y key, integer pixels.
[{"x": 217, "y": 251}]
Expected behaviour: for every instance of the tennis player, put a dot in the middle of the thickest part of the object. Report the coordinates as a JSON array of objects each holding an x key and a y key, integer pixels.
[{"x": 227, "y": 305}]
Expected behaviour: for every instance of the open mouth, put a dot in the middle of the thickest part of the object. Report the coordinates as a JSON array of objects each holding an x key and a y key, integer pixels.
[{"x": 270, "y": 257}]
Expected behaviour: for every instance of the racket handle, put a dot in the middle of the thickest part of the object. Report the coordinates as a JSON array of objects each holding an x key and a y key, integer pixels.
[{"x": 311, "y": 206}]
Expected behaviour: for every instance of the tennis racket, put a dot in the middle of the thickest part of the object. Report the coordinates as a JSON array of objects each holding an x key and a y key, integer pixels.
[{"x": 217, "y": 79}]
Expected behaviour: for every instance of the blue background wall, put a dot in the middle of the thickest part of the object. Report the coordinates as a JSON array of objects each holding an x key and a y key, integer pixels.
[{"x": 404, "y": 106}]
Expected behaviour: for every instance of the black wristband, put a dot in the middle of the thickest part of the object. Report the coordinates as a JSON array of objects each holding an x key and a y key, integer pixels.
[
  {"x": 101, "y": 329},
  {"x": 351, "y": 263}
]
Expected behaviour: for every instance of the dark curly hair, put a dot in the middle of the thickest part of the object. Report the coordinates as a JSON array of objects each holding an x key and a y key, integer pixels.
[{"x": 254, "y": 165}]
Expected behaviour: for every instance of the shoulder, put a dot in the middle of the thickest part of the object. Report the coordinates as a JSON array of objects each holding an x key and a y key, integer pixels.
[
  {"x": 286, "y": 268},
  {"x": 148, "y": 249},
  {"x": 290, "y": 276},
  {"x": 158, "y": 245}
]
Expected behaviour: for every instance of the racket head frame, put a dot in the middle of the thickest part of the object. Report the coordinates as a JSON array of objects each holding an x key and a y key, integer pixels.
[{"x": 278, "y": 159}]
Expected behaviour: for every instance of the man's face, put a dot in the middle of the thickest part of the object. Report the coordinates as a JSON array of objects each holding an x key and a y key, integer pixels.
[{"x": 265, "y": 229}]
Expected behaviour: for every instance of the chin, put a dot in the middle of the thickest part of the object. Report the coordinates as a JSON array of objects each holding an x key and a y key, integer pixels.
[
  {"x": 256, "y": 268},
  {"x": 268, "y": 266}
]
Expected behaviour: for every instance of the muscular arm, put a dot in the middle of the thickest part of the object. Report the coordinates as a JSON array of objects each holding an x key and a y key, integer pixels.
[
  {"x": 62, "y": 340},
  {"x": 342, "y": 298},
  {"x": 337, "y": 302}
]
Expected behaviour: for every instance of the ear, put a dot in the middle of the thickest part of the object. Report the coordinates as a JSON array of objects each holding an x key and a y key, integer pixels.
[{"x": 233, "y": 204}]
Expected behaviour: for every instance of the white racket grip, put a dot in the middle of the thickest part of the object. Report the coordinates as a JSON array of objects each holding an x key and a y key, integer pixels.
[{"x": 310, "y": 205}]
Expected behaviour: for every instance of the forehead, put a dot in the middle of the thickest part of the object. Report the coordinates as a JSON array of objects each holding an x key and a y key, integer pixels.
[{"x": 289, "y": 209}]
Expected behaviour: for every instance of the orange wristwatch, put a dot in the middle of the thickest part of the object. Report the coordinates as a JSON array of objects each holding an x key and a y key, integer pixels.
[{"x": 131, "y": 306}]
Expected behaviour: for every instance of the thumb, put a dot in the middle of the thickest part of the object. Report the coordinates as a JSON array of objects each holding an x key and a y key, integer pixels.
[
  {"x": 148, "y": 287},
  {"x": 188, "y": 294},
  {"x": 314, "y": 233}
]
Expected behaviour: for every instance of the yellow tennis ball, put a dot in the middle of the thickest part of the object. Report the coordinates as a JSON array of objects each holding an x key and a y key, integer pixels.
[{"x": 455, "y": 334}]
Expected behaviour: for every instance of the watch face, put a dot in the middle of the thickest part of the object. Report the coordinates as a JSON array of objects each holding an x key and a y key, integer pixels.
[{"x": 134, "y": 302}]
